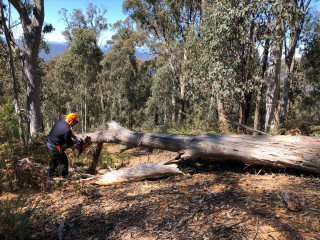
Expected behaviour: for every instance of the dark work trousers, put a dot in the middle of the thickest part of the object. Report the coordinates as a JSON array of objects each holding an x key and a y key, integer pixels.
[{"x": 56, "y": 158}]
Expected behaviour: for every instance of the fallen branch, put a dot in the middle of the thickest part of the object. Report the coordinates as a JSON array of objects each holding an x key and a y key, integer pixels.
[
  {"x": 245, "y": 127},
  {"x": 172, "y": 159},
  {"x": 136, "y": 173}
]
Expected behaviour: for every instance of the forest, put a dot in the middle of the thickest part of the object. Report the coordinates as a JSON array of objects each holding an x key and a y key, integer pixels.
[{"x": 230, "y": 67}]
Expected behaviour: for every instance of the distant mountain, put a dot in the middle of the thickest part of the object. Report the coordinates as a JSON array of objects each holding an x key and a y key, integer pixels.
[
  {"x": 58, "y": 48},
  {"x": 55, "y": 49}
]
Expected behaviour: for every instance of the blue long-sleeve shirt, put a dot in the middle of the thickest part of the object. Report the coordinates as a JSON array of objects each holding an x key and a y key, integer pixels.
[{"x": 60, "y": 133}]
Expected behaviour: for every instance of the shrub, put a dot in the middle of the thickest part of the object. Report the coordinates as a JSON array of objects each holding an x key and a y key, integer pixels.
[
  {"x": 9, "y": 130},
  {"x": 17, "y": 218}
]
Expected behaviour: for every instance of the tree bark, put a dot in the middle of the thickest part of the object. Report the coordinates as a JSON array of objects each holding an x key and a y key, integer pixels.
[
  {"x": 224, "y": 127},
  {"x": 95, "y": 158},
  {"x": 139, "y": 172},
  {"x": 259, "y": 88},
  {"x": 32, "y": 35},
  {"x": 273, "y": 82},
  {"x": 280, "y": 151}
]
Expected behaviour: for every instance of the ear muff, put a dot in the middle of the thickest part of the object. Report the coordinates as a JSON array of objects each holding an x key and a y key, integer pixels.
[{"x": 74, "y": 121}]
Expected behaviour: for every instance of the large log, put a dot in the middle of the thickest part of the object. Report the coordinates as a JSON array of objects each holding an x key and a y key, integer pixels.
[{"x": 297, "y": 152}]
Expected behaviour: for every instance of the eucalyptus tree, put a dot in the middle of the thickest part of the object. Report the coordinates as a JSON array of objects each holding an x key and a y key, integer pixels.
[
  {"x": 160, "y": 107},
  {"x": 305, "y": 97},
  {"x": 167, "y": 24},
  {"x": 79, "y": 66},
  {"x": 32, "y": 17},
  {"x": 296, "y": 21},
  {"x": 93, "y": 19},
  {"x": 82, "y": 29},
  {"x": 56, "y": 92},
  {"x": 224, "y": 55},
  {"x": 120, "y": 72},
  {"x": 273, "y": 81},
  {"x": 310, "y": 61}
]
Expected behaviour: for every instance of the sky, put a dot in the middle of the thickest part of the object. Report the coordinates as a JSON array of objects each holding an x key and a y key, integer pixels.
[{"x": 51, "y": 8}]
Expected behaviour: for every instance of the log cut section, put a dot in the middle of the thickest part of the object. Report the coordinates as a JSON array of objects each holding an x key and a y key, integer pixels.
[
  {"x": 282, "y": 151},
  {"x": 136, "y": 173}
]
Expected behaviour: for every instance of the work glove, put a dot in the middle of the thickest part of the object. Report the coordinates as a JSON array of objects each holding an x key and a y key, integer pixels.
[
  {"x": 76, "y": 152},
  {"x": 78, "y": 140}
]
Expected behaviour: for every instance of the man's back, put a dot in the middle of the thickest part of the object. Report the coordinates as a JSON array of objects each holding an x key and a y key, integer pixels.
[{"x": 60, "y": 133}]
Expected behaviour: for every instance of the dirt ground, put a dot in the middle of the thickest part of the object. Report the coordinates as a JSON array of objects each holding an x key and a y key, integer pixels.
[{"x": 212, "y": 200}]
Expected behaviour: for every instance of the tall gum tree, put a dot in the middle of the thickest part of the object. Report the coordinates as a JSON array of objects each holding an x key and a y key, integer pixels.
[
  {"x": 92, "y": 19},
  {"x": 79, "y": 66},
  {"x": 82, "y": 31},
  {"x": 224, "y": 55},
  {"x": 32, "y": 29},
  {"x": 120, "y": 71},
  {"x": 296, "y": 23},
  {"x": 273, "y": 81},
  {"x": 167, "y": 24}
]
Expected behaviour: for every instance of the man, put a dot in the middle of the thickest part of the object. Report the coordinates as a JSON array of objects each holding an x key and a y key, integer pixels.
[{"x": 58, "y": 140}]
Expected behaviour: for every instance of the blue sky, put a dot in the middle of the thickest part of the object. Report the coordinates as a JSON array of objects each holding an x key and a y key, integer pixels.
[
  {"x": 114, "y": 13},
  {"x": 51, "y": 8}
]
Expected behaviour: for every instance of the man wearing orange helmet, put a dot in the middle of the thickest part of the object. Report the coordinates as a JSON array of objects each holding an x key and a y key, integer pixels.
[{"x": 60, "y": 138}]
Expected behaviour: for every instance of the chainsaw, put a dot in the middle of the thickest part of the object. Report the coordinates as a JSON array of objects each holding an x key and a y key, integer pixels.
[{"x": 83, "y": 144}]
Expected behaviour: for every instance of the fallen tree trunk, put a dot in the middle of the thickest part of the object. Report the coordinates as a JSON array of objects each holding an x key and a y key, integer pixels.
[
  {"x": 136, "y": 173},
  {"x": 282, "y": 151}
]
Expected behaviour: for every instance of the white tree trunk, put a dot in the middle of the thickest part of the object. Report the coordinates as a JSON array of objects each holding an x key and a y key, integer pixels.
[
  {"x": 281, "y": 151},
  {"x": 273, "y": 82}
]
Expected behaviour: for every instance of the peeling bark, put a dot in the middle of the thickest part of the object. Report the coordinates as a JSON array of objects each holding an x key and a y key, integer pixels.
[
  {"x": 281, "y": 151},
  {"x": 136, "y": 173}
]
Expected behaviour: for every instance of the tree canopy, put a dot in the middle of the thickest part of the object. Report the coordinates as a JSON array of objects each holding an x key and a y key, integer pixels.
[{"x": 212, "y": 67}]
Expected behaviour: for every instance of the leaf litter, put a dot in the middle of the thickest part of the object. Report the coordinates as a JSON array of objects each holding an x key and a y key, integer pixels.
[{"x": 213, "y": 200}]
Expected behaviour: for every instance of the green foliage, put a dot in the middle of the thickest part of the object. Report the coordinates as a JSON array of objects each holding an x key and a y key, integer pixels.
[
  {"x": 94, "y": 20},
  {"x": 127, "y": 88},
  {"x": 9, "y": 130},
  {"x": 305, "y": 87},
  {"x": 106, "y": 160},
  {"x": 315, "y": 131},
  {"x": 226, "y": 52},
  {"x": 113, "y": 160},
  {"x": 306, "y": 109},
  {"x": 203, "y": 57},
  {"x": 18, "y": 217},
  {"x": 57, "y": 184}
]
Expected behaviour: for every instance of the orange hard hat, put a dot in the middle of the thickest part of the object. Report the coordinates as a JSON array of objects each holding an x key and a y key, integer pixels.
[{"x": 73, "y": 118}]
